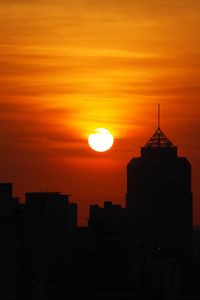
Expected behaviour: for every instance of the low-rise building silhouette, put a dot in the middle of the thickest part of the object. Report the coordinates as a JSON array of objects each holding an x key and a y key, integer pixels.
[
  {"x": 50, "y": 218},
  {"x": 110, "y": 217}
]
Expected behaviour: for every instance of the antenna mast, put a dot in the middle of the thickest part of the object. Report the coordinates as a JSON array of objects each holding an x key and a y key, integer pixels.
[{"x": 159, "y": 115}]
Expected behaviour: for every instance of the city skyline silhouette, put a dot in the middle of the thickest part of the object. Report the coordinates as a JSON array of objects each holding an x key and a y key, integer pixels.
[
  {"x": 145, "y": 250},
  {"x": 79, "y": 77}
]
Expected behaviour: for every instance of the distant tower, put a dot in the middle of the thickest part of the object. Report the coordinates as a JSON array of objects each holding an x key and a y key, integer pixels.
[
  {"x": 159, "y": 197},
  {"x": 6, "y": 199}
]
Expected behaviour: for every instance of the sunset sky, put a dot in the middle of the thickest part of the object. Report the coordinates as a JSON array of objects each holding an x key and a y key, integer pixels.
[{"x": 70, "y": 66}]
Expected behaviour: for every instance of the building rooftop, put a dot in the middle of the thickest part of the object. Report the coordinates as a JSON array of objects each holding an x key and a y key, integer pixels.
[{"x": 159, "y": 140}]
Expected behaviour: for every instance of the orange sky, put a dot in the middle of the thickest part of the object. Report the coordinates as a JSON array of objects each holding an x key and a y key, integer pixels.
[{"x": 69, "y": 66}]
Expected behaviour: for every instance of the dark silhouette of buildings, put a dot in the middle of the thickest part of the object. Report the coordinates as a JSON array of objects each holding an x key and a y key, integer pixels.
[
  {"x": 11, "y": 248},
  {"x": 34, "y": 252},
  {"x": 110, "y": 217},
  {"x": 142, "y": 251},
  {"x": 49, "y": 219},
  {"x": 159, "y": 198}
]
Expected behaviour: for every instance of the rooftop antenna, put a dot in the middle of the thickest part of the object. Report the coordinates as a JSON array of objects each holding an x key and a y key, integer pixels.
[{"x": 159, "y": 116}]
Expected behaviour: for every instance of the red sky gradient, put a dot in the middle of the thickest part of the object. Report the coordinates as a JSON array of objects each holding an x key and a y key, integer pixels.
[{"x": 70, "y": 66}]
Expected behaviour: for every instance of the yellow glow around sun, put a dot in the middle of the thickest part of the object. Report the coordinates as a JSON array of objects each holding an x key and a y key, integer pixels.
[{"x": 101, "y": 140}]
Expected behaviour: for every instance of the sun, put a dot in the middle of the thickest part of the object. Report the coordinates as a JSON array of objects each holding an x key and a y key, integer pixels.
[{"x": 101, "y": 140}]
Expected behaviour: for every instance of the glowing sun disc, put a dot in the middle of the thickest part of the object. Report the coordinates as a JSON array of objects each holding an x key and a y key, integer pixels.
[{"x": 101, "y": 140}]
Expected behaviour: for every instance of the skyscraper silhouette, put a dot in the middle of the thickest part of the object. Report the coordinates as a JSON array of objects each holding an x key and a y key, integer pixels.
[{"x": 159, "y": 199}]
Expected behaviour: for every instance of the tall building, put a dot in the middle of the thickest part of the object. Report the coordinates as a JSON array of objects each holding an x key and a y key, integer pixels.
[
  {"x": 11, "y": 250},
  {"x": 159, "y": 199},
  {"x": 5, "y": 198}
]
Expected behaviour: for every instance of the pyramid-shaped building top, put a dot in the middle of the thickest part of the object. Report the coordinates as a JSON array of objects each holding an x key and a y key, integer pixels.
[{"x": 159, "y": 140}]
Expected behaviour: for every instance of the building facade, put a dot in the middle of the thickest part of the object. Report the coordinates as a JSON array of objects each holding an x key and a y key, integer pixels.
[{"x": 159, "y": 199}]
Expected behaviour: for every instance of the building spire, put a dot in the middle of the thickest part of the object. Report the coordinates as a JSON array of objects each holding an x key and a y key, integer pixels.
[
  {"x": 159, "y": 116},
  {"x": 159, "y": 139}
]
